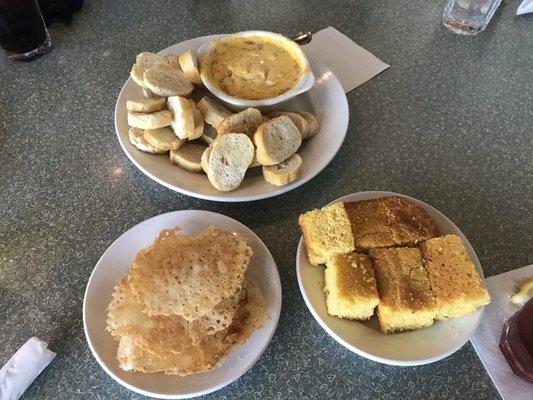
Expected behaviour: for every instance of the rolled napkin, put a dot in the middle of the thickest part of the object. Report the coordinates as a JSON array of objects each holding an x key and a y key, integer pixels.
[
  {"x": 487, "y": 337},
  {"x": 23, "y": 367},
  {"x": 349, "y": 62},
  {"x": 525, "y": 8}
]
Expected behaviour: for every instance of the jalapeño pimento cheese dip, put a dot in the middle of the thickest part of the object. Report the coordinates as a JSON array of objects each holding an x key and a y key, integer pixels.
[{"x": 253, "y": 67}]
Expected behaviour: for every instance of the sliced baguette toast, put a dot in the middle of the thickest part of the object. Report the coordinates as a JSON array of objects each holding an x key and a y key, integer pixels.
[
  {"x": 146, "y": 105},
  {"x": 146, "y": 60},
  {"x": 182, "y": 117},
  {"x": 148, "y": 94},
  {"x": 188, "y": 157},
  {"x": 212, "y": 111},
  {"x": 136, "y": 137},
  {"x": 209, "y": 134},
  {"x": 166, "y": 81},
  {"x": 247, "y": 121},
  {"x": 189, "y": 65},
  {"x": 285, "y": 172},
  {"x": 312, "y": 123},
  {"x": 229, "y": 158},
  {"x": 299, "y": 121},
  {"x": 204, "y": 160},
  {"x": 158, "y": 119},
  {"x": 276, "y": 140},
  {"x": 163, "y": 138}
]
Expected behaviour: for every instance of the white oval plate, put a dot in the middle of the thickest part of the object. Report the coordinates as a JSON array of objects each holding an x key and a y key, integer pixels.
[
  {"x": 364, "y": 338},
  {"x": 114, "y": 264},
  {"x": 326, "y": 100}
]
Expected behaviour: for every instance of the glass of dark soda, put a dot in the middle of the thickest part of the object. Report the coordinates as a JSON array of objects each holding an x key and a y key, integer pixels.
[{"x": 23, "y": 34}]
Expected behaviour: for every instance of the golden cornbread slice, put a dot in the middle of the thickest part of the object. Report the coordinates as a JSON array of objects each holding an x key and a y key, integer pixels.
[
  {"x": 454, "y": 280},
  {"x": 406, "y": 301},
  {"x": 326, "y": 233},
  {"x": 389, "y": 221},
  {"x": 350, "y": 286}
]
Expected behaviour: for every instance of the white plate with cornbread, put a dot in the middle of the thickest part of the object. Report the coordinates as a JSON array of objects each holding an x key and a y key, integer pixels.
[
  {"x": 390, "y": 278},
  {"x": 279, "y": 139}
]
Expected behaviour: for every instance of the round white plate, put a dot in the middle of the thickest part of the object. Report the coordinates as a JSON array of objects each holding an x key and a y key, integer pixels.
[
  {"x": 326, "y": 100},
  {"x": 364, "y": 338},
  {"x": 114, "y": 264}
]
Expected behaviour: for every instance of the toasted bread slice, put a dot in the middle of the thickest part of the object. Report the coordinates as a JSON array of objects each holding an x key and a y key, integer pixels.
[
  {"x": 327, "y": 232},
  {"x": 136, "y": 137},
  {"x": 350, "y": 286},
  {"x": 167, "y": 81},
  {"x": 189, "y": 65},
  {"x": 406, "y": 301},
  {"x": 172, "y": 60},
  {"x": 209, "y": 134},
  {"x": 230, "y": 156},
  {"x": 182, "y": 117},
  {"x": 457, "y": 286},
  {"x": 312, "y": 123},
  {"x": 299, "y": 121},
  {"x": 276, "y": 140},
  {"x": 163, "y": 138},
  {"x": 212, "y": 111},
  {"x": 389, "y": 221},
  {"x": 285, "y": 172},
  {"x": 198, "y": 121},
  {"x": 204, "y": 160},
  {"x": 146, "y": 60},
  {"x": 146, "y": 105},
  {"x": 255, "y": 163},
  {"x": 198, "y": 124},
  {"x": 158, "y": 119},
  {"x": 245, "y": 122},
  {"x": 148, "y": 94},
  {"x": 188, "y": 156}
]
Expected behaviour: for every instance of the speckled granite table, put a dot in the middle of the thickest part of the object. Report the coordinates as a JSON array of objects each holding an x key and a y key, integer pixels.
[{"x": 450, "y": 123}]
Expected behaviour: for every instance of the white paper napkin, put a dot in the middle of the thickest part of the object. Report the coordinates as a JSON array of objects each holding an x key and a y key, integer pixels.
[
  {"x": 525, "y": 7},
  {"x": 351, "y": 64},
  {"x": 23, "y": 367},
  {"x": 487, "y": 337}
]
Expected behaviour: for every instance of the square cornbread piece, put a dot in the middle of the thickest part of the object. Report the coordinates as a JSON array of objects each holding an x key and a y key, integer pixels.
[
  {"x": 406, "y": 301},
  {"x": 454, "y": 280},
  {"x": 387, "y": 222},
  {"x": 327, "y": 232},
  {"x": 350, "y": 286}
]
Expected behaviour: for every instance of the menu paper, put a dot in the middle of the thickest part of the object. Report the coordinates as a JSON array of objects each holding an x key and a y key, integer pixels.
[
  {"x": 349, "y": 62},
  {"x": 23, "y": 367},
  {"x": 487, "y": 337}
]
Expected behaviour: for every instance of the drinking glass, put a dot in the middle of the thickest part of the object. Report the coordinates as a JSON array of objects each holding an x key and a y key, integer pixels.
[
  {"x": 23, "y": 34},
  {"x": 468, "y": 17}
]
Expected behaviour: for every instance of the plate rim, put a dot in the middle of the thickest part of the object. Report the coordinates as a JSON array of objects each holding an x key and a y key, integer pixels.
[
  {"x": 275, "y": 319},
  {"x": 238, "y": 199},
  {"x": 402, "y": 363}
]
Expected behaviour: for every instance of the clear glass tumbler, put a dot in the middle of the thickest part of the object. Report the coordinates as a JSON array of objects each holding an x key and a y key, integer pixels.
[
  {"x": 23, "y": 34},
  {"x": 468, "y": 17}
]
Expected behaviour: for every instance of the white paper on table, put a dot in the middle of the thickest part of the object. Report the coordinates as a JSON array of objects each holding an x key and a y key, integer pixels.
[
  {"x": 487, "y": 337},
  {"x": 525, "y": 7},
  {"x": 23, "y": 367},
  {"x": 349, "y": 62}
]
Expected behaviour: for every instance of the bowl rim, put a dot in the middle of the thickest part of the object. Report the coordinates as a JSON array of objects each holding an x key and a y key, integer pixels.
[
  {"x": 337, "y": 337},
  {"x": 306, "y": 82}
]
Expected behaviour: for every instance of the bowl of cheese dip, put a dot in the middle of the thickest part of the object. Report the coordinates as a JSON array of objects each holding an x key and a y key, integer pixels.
[{"x": 254, "y": 68}]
